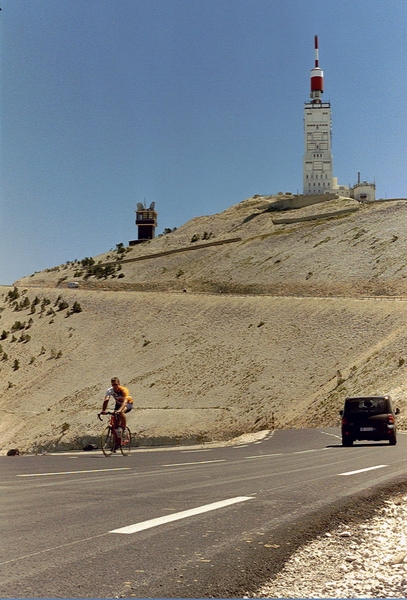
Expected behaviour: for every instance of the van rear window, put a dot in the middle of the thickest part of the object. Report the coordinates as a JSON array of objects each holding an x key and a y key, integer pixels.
[{"x": 376, "y": 405}]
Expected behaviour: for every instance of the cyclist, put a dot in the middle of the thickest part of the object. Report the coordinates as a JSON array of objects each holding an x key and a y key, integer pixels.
[{"x": 124, "y": 402}]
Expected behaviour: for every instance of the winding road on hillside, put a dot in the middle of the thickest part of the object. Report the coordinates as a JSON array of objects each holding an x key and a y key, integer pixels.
[{"x": 180, "y": 522}]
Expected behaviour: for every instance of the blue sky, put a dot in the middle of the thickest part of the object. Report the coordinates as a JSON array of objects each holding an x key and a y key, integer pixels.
[{"x": 193, "y": 104}]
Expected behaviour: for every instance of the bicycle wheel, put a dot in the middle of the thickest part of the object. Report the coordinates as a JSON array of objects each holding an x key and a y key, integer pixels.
[
  {"x": 107, "y": 441},
  {"x": 125, "y": 445}
]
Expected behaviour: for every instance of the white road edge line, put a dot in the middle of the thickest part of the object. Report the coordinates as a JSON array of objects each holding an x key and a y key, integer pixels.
[
  {"x": 363, "y": 470},
  {"x": 331, "y": 434},
  {"x": 262, "y": 456},
  {"x": 180, "y": 515},
  {"x": 74, "y": 472},
  {"x": 82, "y": 541},
  {"x": 195, "y": 462}
]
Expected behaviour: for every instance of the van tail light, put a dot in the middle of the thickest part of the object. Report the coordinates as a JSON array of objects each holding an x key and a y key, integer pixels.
[
  {"x": 344, "y": 421},
  {"x": 390, "y": 419}
]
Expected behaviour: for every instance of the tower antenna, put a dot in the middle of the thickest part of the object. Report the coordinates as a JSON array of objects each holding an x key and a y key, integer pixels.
[{"x": 317, "y": 77}]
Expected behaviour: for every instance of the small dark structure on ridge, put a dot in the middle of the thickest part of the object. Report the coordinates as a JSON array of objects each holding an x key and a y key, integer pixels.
[{"x": 146, "y": 221}]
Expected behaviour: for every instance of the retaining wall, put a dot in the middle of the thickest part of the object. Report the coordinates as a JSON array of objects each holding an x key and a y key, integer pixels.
[{"x": 300, "y": 201}]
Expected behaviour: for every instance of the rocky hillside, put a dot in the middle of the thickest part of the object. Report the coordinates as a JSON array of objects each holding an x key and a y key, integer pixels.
[{"x": 261, "y": 315}]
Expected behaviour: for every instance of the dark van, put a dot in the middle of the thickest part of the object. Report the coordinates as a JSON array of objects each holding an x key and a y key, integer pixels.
[{"x": 369, "y": 418}]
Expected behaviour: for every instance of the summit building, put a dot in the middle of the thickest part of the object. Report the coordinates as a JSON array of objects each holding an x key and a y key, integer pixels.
[{"x": 317, "y": 164}]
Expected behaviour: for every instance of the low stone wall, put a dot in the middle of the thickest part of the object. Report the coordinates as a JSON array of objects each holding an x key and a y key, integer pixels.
[
  {"x": 175, "y": 251},
  {"x": 326, "y": 215},
  {"x": 300, "y": 201}
]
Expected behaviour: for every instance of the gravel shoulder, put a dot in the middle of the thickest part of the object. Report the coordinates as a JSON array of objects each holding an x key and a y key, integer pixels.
[{"x": 364, "y": 554}]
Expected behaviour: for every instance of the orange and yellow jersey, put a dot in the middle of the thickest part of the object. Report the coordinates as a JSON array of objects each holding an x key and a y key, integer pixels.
[{"x": 119, "y": 394}]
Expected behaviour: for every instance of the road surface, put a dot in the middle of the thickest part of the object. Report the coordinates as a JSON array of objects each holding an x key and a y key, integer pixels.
[{"x": 182, "y": 522}]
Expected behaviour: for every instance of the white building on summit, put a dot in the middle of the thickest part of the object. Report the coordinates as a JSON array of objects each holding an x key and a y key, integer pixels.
[{"x": 317, "y": 165}]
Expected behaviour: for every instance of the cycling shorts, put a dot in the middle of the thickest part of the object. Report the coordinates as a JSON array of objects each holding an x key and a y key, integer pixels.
[{"x": 129, "y": 407}]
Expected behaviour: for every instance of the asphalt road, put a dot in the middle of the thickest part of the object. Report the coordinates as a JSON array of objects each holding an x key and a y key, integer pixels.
[{"x": 184, "y": 522}]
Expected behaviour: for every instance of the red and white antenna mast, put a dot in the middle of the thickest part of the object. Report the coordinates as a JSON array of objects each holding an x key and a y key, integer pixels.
[{"x": 317, "y": 78}]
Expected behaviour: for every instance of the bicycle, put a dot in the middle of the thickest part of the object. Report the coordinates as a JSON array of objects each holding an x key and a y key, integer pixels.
[{"x": 113, "y": 437}]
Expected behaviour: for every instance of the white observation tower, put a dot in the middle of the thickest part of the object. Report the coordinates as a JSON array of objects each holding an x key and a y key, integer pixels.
[{"x": 317, "y": 164}]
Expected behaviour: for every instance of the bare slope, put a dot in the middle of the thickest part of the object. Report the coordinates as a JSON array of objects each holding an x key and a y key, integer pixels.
[
  {"x": 210, "y": 366},
  {"x": 336, "y": 253}
]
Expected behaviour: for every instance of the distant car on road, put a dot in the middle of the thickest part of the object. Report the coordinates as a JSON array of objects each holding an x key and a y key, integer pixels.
[
  {"x": 73, "y": 284},
  {"x": 369, "y": 418}
]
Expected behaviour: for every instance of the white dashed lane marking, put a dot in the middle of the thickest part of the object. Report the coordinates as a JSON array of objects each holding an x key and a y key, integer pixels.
[
  {"x": 180, "y": 515},
  {"x": 363, "y": 470},
  {"x": 73, "y": 472}
]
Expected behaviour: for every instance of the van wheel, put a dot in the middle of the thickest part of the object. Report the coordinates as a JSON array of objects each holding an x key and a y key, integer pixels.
[
  {"x": 392, "y": 440},
  {"x": 347, "y": 442}
]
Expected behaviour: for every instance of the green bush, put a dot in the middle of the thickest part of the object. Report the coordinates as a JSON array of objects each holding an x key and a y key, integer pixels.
[
  {"x": 25, "y": 303},
  {"x": 13, "y": 295},
  {"x": 87, "y": 262},
  {"x": 100, "y": 271},
  {"x": 76, "y": 308},
  {"x": 34, "y": 304},
  {"x": 24, "y": 337}
]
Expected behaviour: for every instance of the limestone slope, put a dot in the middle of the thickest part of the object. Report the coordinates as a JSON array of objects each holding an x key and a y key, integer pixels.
[{"x": 212, "y": 365}]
